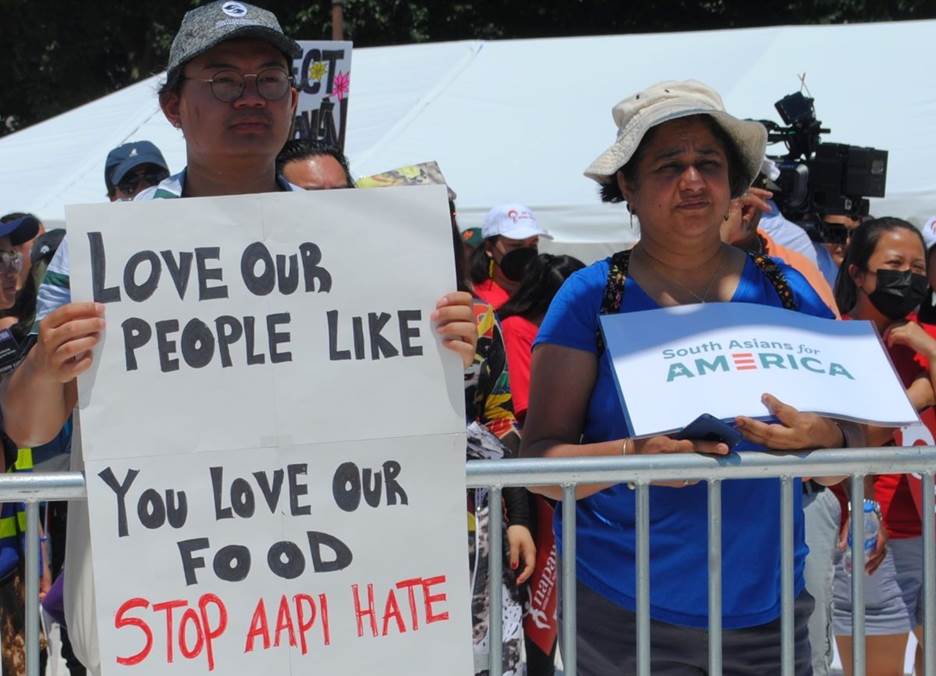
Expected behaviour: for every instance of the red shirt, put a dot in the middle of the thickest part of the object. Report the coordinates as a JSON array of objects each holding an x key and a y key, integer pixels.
[
  {"x": 519, "y": 334},
  {"x": 491, "y": 293},
  {"x": 892, "y": 490}
]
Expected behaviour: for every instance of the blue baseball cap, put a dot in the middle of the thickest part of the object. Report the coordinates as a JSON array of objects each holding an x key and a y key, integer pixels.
[
  {"x": 124, "y": 158},
  {"x": 20, "y": 229}
]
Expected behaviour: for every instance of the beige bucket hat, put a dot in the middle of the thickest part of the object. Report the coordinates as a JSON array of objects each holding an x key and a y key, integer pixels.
[{"x": 670, "y": 100}]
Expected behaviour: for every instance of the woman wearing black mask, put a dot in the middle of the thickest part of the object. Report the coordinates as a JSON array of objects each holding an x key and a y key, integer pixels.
[
  {"x": 883, "y": 280},
  {"x": 511, "y": 237}
]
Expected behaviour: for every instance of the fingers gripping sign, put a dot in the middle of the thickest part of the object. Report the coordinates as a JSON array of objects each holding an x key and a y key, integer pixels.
[
  {"x": 794, "y": 431},
  {"x": 66, "y": 338},
  {"x": 455, "y": 324}
]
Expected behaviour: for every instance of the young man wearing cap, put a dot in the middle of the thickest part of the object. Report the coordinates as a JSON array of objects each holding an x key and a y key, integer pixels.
[
  {"x": 132, "y": 168},
  {"x": 511, "y": 236},
  {"x": 229, "y": 90}
]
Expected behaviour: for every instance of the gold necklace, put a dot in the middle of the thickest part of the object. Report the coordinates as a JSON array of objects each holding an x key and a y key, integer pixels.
[{"x": 701, "y": 299}]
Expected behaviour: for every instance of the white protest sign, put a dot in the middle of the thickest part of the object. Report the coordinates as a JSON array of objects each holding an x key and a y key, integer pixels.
[
  {"x": 674, "y": 364},
  {"x": 323, "y": 77},
  {"x": 274, "y": 435}
]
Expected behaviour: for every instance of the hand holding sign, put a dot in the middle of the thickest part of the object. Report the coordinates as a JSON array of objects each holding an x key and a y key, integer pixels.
[
  {"x": 455, "y": 324},
  {"x": 797, "y": 431},
  {"x": 66, "y": 338}
]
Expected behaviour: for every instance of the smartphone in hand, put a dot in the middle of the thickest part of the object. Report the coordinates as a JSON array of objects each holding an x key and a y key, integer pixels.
[{"x": 709, "y": 428}]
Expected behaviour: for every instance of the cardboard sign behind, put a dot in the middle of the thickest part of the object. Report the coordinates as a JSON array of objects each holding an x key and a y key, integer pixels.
[
  {"x": 323, "y": 77},
  {"x": 674, "y": 364},
  {"x": 274, "y": 434}
]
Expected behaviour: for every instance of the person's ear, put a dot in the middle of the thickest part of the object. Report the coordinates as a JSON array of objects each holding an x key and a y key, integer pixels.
[
  {"x": 170, "y": 104},
  {"x": 857, "y": 275},
  {"x": 627, "y": 190}
]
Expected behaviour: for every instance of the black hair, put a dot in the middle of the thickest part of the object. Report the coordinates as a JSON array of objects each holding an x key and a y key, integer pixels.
[
  {"x": 461, "y": 281},
  {"x": 864, "y": 240},
  {"x": 737, "y": 175},
  {"x": 541, "y": 281},
  {"x": 303, "y": 149},
  {"x": 479, "y": 267},
  {"x": 173, "y": 83}
]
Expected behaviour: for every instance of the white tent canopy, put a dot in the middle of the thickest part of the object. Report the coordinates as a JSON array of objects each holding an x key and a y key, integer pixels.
[{"x": 519, "y": 120}]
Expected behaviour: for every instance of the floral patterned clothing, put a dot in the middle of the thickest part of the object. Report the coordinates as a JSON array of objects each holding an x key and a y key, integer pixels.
[{"x": 492, "y": 434}]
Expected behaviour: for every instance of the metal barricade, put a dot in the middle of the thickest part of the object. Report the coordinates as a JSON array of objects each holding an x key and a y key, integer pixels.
[
  {"x": 568, "y": 473},
  {"x": 642, "y": 470},
  {"x": 33, "y": 488}
]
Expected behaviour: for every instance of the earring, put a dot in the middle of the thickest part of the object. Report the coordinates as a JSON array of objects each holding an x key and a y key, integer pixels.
[
  {"x": 491, "y": 268},
  {"x": 725, "y": 217}
]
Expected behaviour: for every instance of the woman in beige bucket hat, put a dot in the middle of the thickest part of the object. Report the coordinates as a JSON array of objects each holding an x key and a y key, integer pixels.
[{"x": 678, "y": 160}]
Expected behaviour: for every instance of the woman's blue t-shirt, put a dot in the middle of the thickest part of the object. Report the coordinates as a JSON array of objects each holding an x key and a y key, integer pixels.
[{"x": 606, "y": 544}]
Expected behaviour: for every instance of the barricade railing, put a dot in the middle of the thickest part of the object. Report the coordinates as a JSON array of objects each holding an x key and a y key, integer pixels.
[
  {"x": 33, "y": 488},
  {"x": 640, "y": 471}
]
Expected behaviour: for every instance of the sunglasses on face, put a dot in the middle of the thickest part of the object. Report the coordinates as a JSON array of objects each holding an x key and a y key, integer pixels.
[
  {"x": 228, "y": 85},
  {"x": 11, "y": 262},
  {"x": 131, "y": 184},
  {"x": 836, "y": 234}
]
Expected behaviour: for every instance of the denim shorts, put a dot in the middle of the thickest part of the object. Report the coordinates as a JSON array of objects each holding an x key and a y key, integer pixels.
[{"x": 893, "y": 594}]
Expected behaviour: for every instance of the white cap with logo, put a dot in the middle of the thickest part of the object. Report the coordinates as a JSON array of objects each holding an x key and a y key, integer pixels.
[
  {"x": 929, "y": 233},
  {"x": 513, "y": 221}
]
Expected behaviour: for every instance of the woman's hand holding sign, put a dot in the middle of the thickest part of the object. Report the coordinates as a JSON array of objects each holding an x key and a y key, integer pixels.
[{"x": 796, "y": 431}]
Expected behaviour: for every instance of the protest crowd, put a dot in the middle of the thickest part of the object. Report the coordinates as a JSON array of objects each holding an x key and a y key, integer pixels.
[{"x": 538, "y": 381}]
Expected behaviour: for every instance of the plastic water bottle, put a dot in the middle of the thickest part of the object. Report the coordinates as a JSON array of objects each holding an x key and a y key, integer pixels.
[{"x": 872, "y": 525}]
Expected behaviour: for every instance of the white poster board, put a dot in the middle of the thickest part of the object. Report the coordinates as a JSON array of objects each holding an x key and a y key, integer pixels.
[
  {"x": 323, "y": 77},
  {"x": 674, "y": 364},
  {"x": 274, "y": 434}
]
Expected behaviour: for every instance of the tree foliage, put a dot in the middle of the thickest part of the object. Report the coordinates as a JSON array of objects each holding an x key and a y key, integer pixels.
[{"x": 59, "y": 54}]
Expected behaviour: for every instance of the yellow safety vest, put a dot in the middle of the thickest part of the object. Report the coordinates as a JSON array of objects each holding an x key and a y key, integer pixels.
[{"x": 14, "y": 524}]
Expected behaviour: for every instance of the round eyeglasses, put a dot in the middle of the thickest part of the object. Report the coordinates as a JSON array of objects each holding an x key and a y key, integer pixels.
[{"x": 228, "y": 85}]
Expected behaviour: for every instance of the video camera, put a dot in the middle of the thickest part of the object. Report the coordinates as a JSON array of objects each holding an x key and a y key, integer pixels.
[
  {"x": 819, "y": 179},
  {"x": 11, "y": 352}
]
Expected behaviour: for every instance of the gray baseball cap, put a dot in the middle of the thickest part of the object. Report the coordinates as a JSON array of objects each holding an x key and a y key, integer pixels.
[{"x": 209, "y": 25}]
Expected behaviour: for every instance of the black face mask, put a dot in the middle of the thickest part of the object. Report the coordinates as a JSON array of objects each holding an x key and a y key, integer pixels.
[
  {"x": 898, "y": 293},
  {"x": 514, "y": 263}
]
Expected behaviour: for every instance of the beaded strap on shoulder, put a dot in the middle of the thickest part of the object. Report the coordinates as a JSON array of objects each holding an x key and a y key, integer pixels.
[
  {"x": 614, "y": 290},
  {"x": 776, "y": 277}
]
